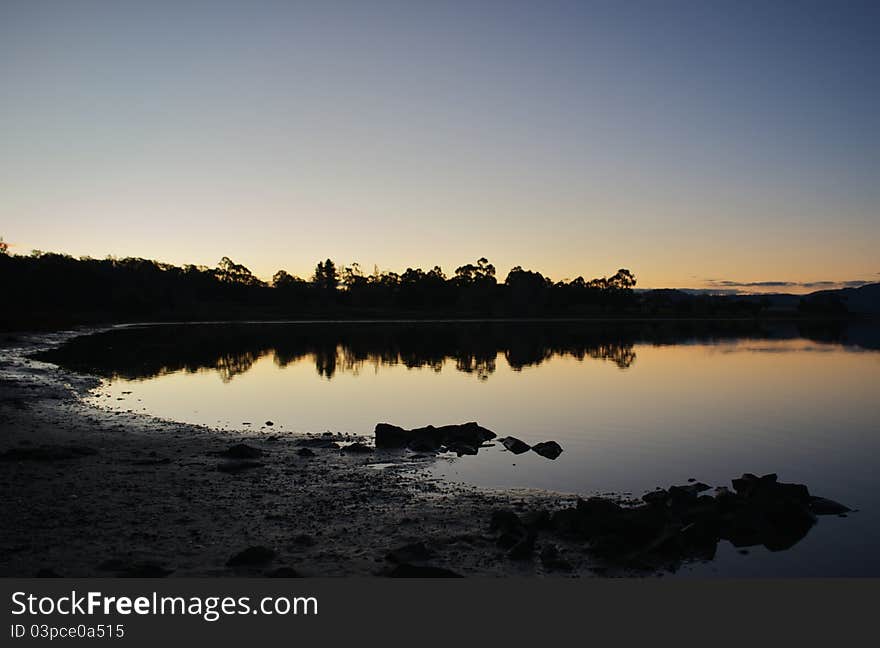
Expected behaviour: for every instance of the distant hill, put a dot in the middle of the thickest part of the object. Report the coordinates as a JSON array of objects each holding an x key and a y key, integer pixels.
[{"x": 864, "y": 300}]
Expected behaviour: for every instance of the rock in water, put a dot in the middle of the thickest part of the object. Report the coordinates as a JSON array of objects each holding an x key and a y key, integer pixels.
[
  {"x": 548, "y": 449},
  {"x": 391, "y": 436},
  {"x": 258, "y": 555},
  {"x": 469, "y": 434},
  {"x": 514, "y": 445},
  {"x": 679, "y": 524}
]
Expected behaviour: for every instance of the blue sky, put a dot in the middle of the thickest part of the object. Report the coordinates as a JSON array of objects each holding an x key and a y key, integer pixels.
[{"x": 693, "y": 142}]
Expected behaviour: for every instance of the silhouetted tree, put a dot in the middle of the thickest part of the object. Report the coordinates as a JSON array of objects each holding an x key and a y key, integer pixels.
[
  {"x": 4, "y": 247},
  {"x": 527, "y": 290},
  {"x": 230, "y": 272},
  {"x": 481, "y": 273},
  {"x": 283, "y": 279},
  {"x": 326, "y": 277},
  {"x": 622, "y": 280},
  {"x": 353, "y": 277}
]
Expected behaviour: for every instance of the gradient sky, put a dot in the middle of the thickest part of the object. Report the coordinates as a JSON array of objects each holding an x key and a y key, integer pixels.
[{"x": 696, "y": 143}]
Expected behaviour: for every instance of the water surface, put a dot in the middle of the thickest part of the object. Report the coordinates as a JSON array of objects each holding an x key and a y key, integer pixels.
[{"x": 634, "y": 405}]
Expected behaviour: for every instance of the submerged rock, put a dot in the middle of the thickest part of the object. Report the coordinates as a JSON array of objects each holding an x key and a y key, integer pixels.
[
  {"x": 548, "y": 449},
  {"x": 305, "y": 452},
  {"x": 514, "y": 445},
  {"x": 677, "y": 524}
]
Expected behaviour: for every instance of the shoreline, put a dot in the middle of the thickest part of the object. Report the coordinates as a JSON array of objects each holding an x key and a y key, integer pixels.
[
  {"x": 47, "y": 323},
  {"x": 89, "y": 491},
  {"x": 142, "y": 496}
]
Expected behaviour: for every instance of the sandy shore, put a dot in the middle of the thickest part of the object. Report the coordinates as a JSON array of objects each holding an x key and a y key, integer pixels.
[{"x": 128, "y": 494}]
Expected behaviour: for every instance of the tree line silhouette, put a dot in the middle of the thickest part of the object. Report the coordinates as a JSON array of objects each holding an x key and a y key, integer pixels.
[{"x": 49, "y": 289}]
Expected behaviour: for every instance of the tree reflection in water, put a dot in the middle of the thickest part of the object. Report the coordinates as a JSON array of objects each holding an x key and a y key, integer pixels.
[{"x": 231, "y": 349}]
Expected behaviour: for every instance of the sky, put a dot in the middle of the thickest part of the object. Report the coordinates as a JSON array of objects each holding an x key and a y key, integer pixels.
[{"x": 729, "y": 145}]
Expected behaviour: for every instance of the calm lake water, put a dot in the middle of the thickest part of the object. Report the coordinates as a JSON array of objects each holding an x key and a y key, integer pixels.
[{"x": 634, "y": 405}]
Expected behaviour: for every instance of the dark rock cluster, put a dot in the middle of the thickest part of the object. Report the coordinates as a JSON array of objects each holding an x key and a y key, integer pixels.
[
  {"x": 462, "y": 439},
  {"x": 671, "y": 526}
]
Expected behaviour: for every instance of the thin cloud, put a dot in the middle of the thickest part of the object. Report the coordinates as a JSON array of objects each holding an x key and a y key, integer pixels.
[
  {"x": 752, "y": 284},
  {"x": 815, "y": 285}
]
